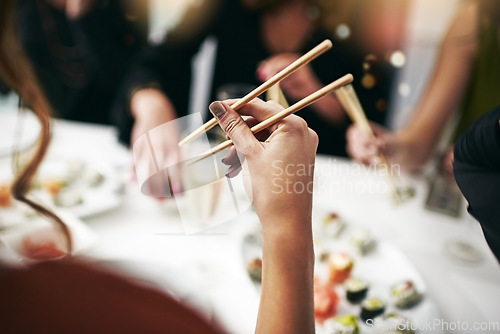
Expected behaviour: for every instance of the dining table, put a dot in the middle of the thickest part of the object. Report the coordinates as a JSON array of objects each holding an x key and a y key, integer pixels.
[{"x": 146, "y": 238}]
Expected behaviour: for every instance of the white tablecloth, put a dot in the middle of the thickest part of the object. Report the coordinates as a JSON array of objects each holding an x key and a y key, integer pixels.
[{"x": 207, "y": 269}]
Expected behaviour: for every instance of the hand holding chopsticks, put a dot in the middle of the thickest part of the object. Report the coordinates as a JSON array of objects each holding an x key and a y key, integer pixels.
[
  {"x": 346, "y": 79},
  {"x": 349, "y": 100},
  {"x": 305, "y": 59}
]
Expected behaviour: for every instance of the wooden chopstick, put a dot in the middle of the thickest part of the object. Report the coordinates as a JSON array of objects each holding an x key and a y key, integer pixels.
[
  {"x": 346, "y": 79},
  {"x": 350, "y": 101},
  {"x": 305, "y": 59}
]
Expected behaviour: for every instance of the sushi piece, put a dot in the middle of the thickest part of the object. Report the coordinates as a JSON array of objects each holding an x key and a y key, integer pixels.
[
  {"x": 326, "y": 301},
  {"x": 93, "y": 178},
  {"x": 393, "y": 324},
  {"x": 74, "y": 169},
  {"x": 404, "y": 295},
  {"x": 362, "y": 242},
  {"x": 68, "y": 199},
  {"x": 254, "y": 269},
  {"x": 346, "y": 324},
  {"x": 324, "y": 256},
  {"x": 340, "y": 267},
  {"x": 5, "y": 196},
  {"x": 333, "y": 225},
  {"x": 45, "y": 250},
  {"x": 53, "y": 186},
  {"x": 371, "y": 308},
  {"x": 356, "y": 290}
]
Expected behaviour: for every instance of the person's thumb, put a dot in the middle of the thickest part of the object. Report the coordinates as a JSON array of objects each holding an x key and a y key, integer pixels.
[{"x": 235, "y": 127}]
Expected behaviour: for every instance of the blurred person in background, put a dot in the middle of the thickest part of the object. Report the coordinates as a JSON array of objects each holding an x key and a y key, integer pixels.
[
  {"x": 466, "y": 77},
  {"x": 255, "y": 40},
  {"x": 477, "y": 172},
  {"x": 70, "y": 295},
  {"x": 80, "y": 50}
]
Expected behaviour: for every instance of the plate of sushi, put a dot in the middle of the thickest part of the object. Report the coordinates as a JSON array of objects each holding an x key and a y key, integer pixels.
[
  {"x": 81, "y": 188},
  {"x": 361, "y": 285}
]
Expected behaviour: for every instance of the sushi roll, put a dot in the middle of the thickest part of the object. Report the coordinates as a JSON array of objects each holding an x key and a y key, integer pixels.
[
  {"x": 356, "y": 290},
  {"x": 346, "y": 324},
  {"x": 5, "y": 196},
  {"x": 362, "y": 242},
  {"x": 254, "y": 269},
  {"x": 404, "y": 295},
  {"x": 74, "y": 169},
  {"x": 53, "y": 186},
  {"x": 326, "y": 301},
  {"x": 371, "y": 308},
  {"x": 333, "y": 225},
  {"x": 340, "y": 267},
  {"x": 68, "y": 198},
  {"x": 393, "y": 324},
  {"x": 323, "y": 256},
  {"x": 93, "y": 178}
]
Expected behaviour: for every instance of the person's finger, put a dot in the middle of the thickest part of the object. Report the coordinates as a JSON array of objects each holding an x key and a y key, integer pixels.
[
  {"x": 232, "y": 158},
  {"x": 234, "y": 171},
  {"x": 261, "y": 111},
  {"x": 262, "y": 135},
  {"x": 377, "y": 129},
  {"x": 251, "y": 121},
  {"x": 235, "y": 127}
]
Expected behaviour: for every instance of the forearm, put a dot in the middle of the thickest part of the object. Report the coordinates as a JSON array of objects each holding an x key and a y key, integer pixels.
[
  {"x": 447, "y": 86},
  {"x": 287, "y": 304}
]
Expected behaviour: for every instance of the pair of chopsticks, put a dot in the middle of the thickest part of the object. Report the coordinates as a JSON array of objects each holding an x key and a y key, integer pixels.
[
  {"x": 305, "y": 59},
  {"x": 350, "y": 102},
  {"x": 346, "y": 79}
]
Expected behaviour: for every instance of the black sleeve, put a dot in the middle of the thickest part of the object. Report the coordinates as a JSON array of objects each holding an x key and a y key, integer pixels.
[
  {"x": 165, "y": 67},
  {"x": 477, "y": 172},
  {"x": 109, "y": 40}
]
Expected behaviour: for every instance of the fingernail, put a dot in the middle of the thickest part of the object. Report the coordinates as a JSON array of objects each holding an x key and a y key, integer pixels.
[{"x": 217, "y": 109}]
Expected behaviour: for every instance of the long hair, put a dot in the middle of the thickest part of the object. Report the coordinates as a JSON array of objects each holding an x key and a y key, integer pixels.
[{"x": 16, "y": 71}]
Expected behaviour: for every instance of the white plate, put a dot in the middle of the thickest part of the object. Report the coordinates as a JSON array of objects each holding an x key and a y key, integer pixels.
[
  {"x": 41, "y": 230},
  {"x": 381, "y": 268},
  {"x": 18, "y": 130},
  {"x": 106, "y": 196}
]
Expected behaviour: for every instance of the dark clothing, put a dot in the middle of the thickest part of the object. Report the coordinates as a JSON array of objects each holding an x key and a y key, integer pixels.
[
  {"x": 79, "y": 63},
  {"x": 240, "y": 50},
  {"x": 477, "y": 171}
]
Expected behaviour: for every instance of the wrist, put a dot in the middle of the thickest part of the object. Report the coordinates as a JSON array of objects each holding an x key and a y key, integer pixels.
[
  {"x": 288, "y": 247},
  {"x": 151, "y": 104},
  {"x": 411, "y": 151},
  {"x": 287, "y": 229}
]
